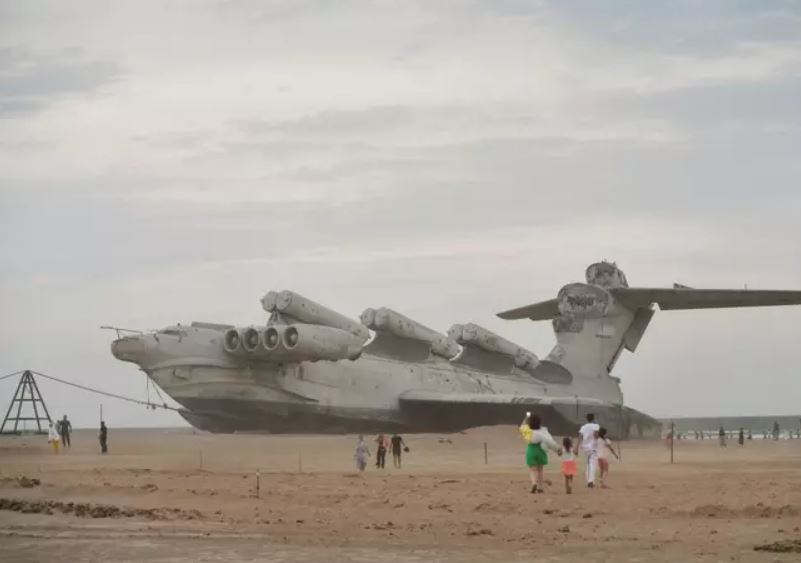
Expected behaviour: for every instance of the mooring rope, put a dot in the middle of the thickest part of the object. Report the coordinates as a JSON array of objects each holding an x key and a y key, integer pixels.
[
  {"x": 11, "y": 374},
  {"x": 148, "y": 404}
]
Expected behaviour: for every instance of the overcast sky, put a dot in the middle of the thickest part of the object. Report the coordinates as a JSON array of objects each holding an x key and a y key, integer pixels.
[{"x": 173, "y": 161}]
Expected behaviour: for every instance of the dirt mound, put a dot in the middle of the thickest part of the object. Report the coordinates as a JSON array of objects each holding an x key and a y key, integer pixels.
[
  {"x": 22, "y": 481},
  {"x": 496, "y": 507},
  {"x": 758, "y": 510},
  {"x": 28, "y": 482},
  {"x": 90, "y": 510},
  {"x": 787, "y": 546}
]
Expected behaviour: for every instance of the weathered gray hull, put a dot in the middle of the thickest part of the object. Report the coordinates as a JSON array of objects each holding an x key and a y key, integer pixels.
[
  {"x": 215, "y": 415},
  {"x": 367, "y": 395}
]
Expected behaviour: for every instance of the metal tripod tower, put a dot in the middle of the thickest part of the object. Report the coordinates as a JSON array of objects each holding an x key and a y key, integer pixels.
[{"x": 27, "y": 392}]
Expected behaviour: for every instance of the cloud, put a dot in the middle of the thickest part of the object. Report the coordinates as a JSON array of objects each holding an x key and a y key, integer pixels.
[{"x": 30, "y": 82}]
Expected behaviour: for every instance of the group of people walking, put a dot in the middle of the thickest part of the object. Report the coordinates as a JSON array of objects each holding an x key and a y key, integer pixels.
[
  {"x": 383, "y": 443},
  {"x": 59, "y": 435},
  {"x": 592, "y": 442}
]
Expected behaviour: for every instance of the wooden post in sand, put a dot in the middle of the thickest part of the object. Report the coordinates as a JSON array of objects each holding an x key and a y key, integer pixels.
[
  {"x": 258, "y": 482},
  {"x": 672, "y": 439},
  {"x": 485, "y": 453}
]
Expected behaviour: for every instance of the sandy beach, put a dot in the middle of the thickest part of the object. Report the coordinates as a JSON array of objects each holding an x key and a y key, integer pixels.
[{"x": 177, "y": 495}]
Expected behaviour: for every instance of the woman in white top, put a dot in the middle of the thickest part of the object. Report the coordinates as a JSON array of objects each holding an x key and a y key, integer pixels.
[{"x": 53, "y": 437}]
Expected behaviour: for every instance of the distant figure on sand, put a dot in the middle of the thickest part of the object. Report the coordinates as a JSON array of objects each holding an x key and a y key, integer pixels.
[
  {"x": 362, "y": 454},
  {"x": 603, "y": 447},
  {"x": 64, "y": 430},
  {"x": 103, "y": 438},
  {"x": 741, "y": 437},
  {"x": 586, "y": 441},
  {"x": 569, "y": 469},
  {"x": 398, "y": 446},
  {"x": 775, "y": 430},
  {"x": 722, "y": 437},
  {"x": 536, "y": 454},
  {"x": 381, "y": 453},
  {"x": 53, "y": 438}
]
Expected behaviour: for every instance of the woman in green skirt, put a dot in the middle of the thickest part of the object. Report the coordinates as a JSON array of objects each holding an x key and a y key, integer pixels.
[{"x": 539, "y": 441}]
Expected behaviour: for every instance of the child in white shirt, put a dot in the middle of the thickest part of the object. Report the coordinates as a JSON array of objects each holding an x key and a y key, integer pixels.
[{"x": 603, "y": 447}]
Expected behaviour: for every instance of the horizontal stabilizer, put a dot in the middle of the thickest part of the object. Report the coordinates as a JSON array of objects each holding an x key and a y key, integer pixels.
[
  {"x": 689, "y": 298},
  {"x": 542, "y": 311}
]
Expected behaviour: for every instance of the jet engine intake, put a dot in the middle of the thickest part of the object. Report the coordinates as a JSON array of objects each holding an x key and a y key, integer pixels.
[
  {"x": 233, "y": 342},
  {"x": 251, "y": 339},
  {"x": 387, "y": 320},
  {"x": 290, "y": 304},
  {"x": 271, "y": 338}
]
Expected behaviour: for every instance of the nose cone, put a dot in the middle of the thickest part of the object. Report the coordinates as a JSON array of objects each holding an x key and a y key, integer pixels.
[{"x": 128, "y": 349}]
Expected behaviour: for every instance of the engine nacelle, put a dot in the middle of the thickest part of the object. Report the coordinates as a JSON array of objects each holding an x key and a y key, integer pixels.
[
  {"x": 295, "y": 306},
  {"x": 606, "y": 275},
  {"x": 303, "y": 342},
  {"x": 473, "y": 335},
  {"x": 292, "y": 343},
  {"x": 387, "y": 320}
]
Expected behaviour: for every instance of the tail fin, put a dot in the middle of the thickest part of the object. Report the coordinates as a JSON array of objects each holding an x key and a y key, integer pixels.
[
  {"x": 592, "y": 329},
  {"x": 595, "y": 321}
]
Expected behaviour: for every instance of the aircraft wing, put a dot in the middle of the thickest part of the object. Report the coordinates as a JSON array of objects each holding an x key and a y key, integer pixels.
[
  {"x": 541, "y": 311},
  {"x": 433, "y": 397},
  {"x": 560, "y": 414},
  {"x": 689, "y": 298}
]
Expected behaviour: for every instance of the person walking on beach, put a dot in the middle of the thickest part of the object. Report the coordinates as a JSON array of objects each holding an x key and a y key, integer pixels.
[
  {"x": 381, "y": 453},
  {"x": 64, "y": 430},
  {"x": 53, "y": 438},
  {"x": 722, "y": 437},
  {"x": 536, "y": 451},
  {"x": 103, "y": 438},
  {"x": 586, "y": 441},
  {"x": 398, "y": 446},
  {"x": 741, "y": 437},
  {"x": 603, "y": 447},
  {"x": 362, "y": 454}
]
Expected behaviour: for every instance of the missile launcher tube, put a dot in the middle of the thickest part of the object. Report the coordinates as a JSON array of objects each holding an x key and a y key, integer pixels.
[
  {"x": 307, "y": 311},
  {"x": 384, "y": 319},
  {"x": 473, "y": 335}
]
